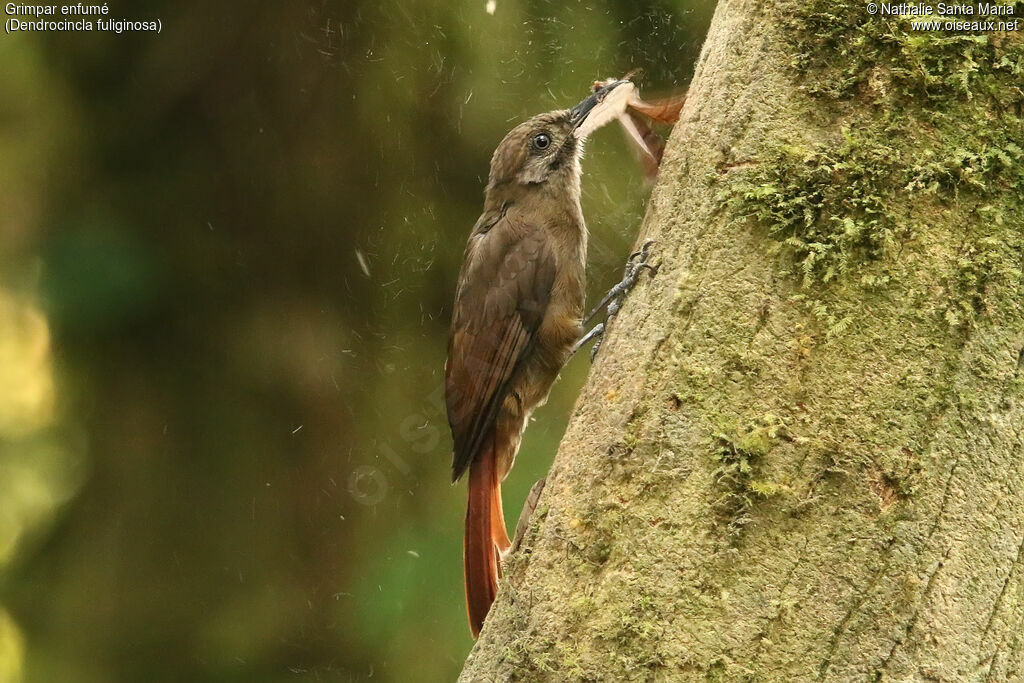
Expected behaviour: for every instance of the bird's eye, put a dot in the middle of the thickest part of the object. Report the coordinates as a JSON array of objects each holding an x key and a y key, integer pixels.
[{"x": 541, "y": 141}]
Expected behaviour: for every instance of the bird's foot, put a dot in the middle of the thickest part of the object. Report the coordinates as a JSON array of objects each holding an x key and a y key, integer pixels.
[
  {"x": 596, "y": 332},
  {"x": 635, "y": 265},
  {"x": 612, "y": 301}
]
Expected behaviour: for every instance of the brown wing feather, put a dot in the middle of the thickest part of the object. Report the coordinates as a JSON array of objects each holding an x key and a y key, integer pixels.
[{"x": 504, "y": 290}]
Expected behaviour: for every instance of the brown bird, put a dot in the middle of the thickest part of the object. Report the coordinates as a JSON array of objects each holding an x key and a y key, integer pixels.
[{"x": 518, "y": 313}]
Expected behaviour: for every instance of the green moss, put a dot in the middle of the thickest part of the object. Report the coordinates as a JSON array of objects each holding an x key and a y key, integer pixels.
[
  {"x": 634, "y": 428},
  {"x": 827, "y": 207},
  {"x": 601, "y": 550},
  {"x": 986, "y": 260},
  {"x": 841, "y": 51},
  {"x": 739, "y": 476},
  {"x": 630, "y": 441},
  {"x": 943, "y": 136}
]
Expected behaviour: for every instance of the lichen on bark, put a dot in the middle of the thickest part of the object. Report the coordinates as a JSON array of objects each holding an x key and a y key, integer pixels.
[{"x": 799, "y": 454}]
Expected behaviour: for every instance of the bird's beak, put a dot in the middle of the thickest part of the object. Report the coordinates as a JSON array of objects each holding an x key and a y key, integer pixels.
[{"x": 579, "y": 113}]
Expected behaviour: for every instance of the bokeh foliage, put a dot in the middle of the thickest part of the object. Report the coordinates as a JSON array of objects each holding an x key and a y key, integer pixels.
[{"x": 227, "y": 255}]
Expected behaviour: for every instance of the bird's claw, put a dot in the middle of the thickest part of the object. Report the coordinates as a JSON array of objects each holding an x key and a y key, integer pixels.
[
  {"x": 635, "y": 265},
  {"x": 597, "y": 344},
  {"x": 596, "y": 332},
  {"x": 612, "y": 301}
]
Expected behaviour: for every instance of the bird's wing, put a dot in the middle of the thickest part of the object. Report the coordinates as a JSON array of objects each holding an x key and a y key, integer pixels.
[{"x": 504, "y": 290}]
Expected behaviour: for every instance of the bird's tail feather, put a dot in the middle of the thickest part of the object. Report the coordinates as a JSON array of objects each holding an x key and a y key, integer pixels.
[{"x": 485, "y": 537}]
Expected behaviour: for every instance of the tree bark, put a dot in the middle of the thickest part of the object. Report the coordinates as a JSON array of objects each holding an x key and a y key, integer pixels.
[{"x": 799, "y": 453}]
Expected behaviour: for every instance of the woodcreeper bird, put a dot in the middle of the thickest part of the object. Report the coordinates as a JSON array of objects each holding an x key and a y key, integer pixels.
[{"x": 518, "y": 313}]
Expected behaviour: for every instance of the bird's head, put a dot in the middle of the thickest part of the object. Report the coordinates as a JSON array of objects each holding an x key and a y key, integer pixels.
[{"x": 546, "y": 147}]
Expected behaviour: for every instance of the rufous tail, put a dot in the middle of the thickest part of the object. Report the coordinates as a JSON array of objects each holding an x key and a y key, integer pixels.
[{"x": 485, "y": 538}]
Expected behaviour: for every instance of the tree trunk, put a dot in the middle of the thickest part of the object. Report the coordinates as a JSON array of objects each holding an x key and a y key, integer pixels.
[{"x": 799, "y": 453}]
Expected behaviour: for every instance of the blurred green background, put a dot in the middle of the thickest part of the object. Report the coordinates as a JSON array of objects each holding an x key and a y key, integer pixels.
[{"x": 227, "y": 256}]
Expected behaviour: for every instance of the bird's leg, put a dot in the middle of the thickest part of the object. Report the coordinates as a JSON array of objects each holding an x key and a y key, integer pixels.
[
  {"x": 595, "y": 332},
  {"x": 636, "y": 262},
  {"x": 612, "y": 301},
  {"x": 529, "y": 507}
]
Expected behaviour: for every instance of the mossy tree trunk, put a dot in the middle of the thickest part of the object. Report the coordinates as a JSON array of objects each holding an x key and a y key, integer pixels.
[{"x": 799, "y": 454}]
